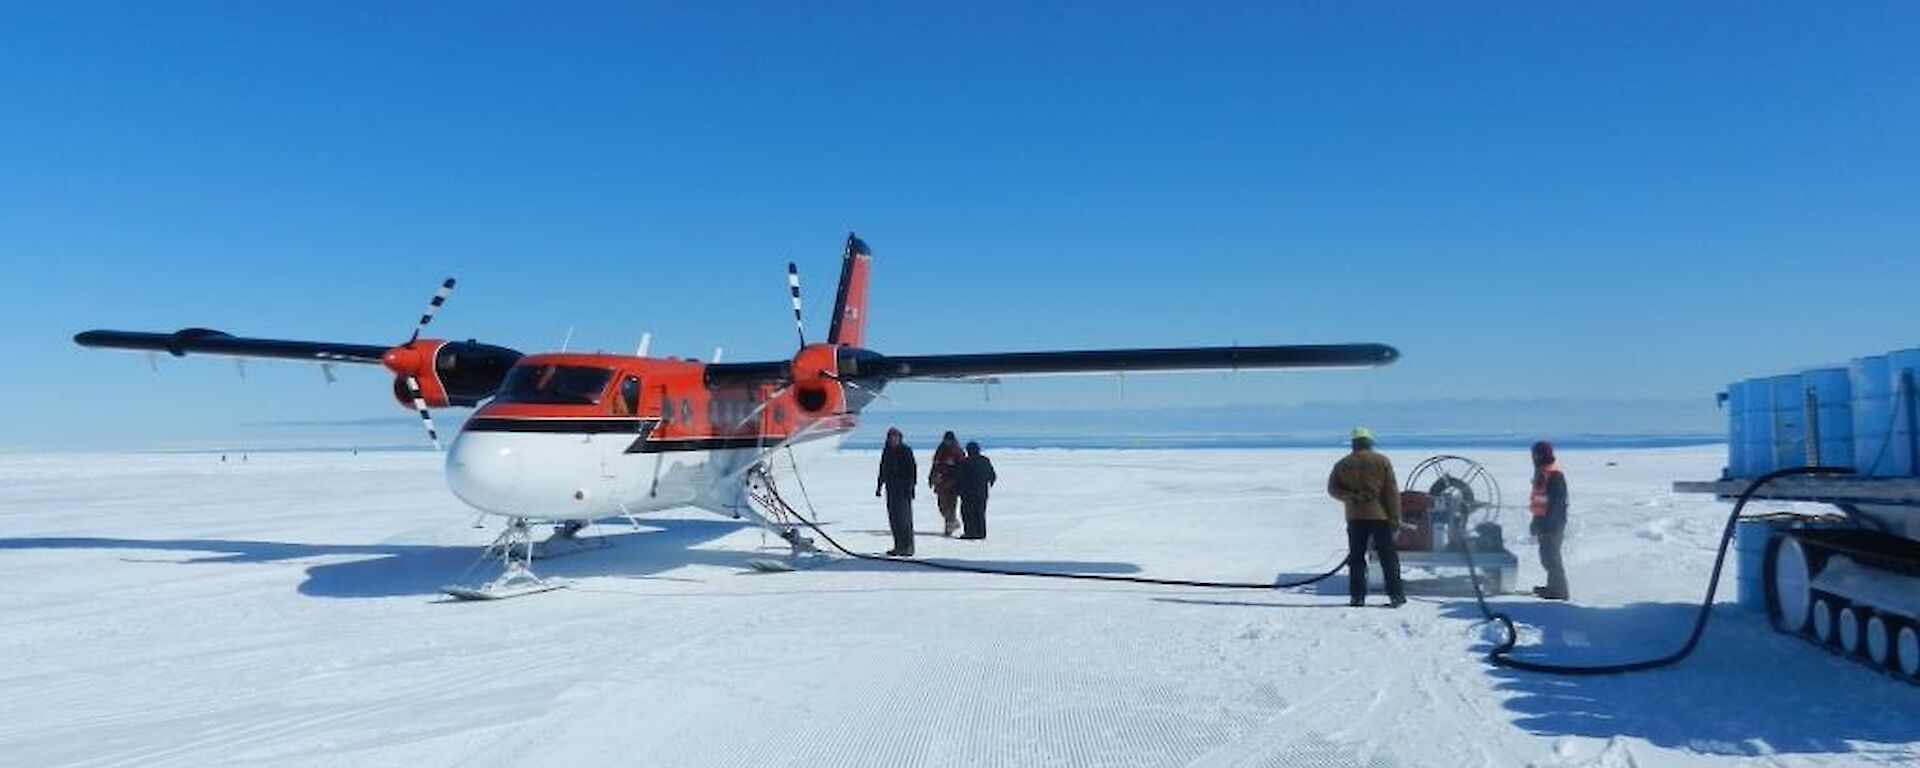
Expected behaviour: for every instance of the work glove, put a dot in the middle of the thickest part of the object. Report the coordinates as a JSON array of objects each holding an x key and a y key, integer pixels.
[
  {"x": 1533, "y": 528},
  {"x": 876, "y": 492}
]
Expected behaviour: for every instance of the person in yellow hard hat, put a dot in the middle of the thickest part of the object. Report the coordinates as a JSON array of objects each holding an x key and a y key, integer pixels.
[{"x": 1364, "y": 482}]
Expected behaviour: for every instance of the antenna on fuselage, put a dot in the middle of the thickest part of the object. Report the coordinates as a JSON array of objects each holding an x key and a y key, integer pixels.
[
  {"x": 646, "y": 344},
  {"x": 793, "y": 285},
  {"x": 717, "y": 351}
]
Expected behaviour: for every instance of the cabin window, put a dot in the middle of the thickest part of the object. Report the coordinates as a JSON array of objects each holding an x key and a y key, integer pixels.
[
  {"x": 554, "y": 385},
  {"x": 686, "y": 410},
  {"x": 628, "y": 403},
  {"x": 780, "y": 414}
]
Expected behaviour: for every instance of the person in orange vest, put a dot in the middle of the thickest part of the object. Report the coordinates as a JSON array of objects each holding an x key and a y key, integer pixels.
[
  {"x": 1364, "y": 483},
  {"x": 1549, "y": 507}
]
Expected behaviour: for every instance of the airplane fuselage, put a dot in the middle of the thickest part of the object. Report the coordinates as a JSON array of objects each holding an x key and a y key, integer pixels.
[{"x": 581, "y": 437}]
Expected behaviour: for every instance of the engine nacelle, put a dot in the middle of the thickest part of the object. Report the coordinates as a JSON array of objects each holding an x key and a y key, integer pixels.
[
  {"x": 817, "y": 389},
  {"x": 458, "y": 373}
]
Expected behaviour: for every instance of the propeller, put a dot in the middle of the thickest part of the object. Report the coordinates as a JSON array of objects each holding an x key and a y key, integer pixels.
[{"x": 413, "y": 382}]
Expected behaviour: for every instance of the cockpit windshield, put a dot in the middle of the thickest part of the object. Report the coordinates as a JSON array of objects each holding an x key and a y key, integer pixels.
[{"x": 554, "y": 385}]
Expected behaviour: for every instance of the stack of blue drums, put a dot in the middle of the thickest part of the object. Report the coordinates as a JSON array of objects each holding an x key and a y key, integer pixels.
[{"x": 1862, "y": 416}]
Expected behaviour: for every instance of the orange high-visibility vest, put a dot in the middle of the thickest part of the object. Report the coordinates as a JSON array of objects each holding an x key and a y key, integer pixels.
[{"x": 1538, "y": 504}]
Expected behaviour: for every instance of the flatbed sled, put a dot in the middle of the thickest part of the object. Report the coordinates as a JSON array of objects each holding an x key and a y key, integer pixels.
[{"x": 1496, "y": 567}]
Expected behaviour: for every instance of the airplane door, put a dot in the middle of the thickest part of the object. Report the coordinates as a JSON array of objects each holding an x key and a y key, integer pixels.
[{"x": 625, "y": 403}]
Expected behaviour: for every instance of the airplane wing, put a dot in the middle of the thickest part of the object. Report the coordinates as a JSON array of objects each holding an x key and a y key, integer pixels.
[
  {"x": 460, "y": 373},
  {"x": 1172, "y": 360},
  {"x": 859, "y": 364},
  {"x": 206, "y": 341}
]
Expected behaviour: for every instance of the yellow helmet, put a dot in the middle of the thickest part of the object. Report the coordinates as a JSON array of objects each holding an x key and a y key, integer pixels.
[{"x": 1362, "y": 433}]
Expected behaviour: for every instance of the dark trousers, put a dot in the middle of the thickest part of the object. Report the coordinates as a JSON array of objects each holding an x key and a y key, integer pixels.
[
  {"x": 1380, "y": 533},
  {"x": 1550, "y": 560},
  {"x": 900, "y": 518},
  {"x": 973, "y": 516}
]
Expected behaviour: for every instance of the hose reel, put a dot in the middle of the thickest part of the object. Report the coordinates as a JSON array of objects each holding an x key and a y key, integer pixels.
[{"x": 1448, "y": 501}]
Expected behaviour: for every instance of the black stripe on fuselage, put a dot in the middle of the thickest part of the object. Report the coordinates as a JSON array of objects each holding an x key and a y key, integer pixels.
[
  {"x": 645, "y": 443},
  {"x": 562, "y": 426},
  {"x": 682, "y": 444}
]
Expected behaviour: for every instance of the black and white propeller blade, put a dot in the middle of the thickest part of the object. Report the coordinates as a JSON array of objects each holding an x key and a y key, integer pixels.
[
  {"x": 426, "y": 415},
  {"x": 413, "y": 382},
  {"x": 793, "y": 286},
  {"x": 433, "y": 308}
]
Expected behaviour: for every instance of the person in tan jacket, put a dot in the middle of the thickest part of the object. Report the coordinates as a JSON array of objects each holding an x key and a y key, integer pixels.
[{"x": 1364, "y": 482}]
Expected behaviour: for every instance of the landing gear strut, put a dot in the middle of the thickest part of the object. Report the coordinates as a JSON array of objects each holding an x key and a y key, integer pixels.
[
  {"x": 514, "y": 548},
  {"x": 780, "y": 518},
  {"x": 566, "y": 540}
]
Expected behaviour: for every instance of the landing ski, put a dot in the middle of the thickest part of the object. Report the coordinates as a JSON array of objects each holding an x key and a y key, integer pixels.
[
  {"x": 787, "y": 564},
  {"x": 501, "y": 591}
]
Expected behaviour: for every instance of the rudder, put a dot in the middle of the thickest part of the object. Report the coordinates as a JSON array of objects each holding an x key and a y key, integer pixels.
[{"x": 850, "y": 303}]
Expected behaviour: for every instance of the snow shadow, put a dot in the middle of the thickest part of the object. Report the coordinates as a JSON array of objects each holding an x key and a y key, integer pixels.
[
  {"x": 1747, "y": 690},
  {"x": 400, "y": 570}
]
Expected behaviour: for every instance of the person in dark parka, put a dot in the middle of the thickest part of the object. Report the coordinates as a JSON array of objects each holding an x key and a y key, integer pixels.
[
  {"x": 943, "y": 478},
  {"x": 974, "y": 477},
  {"x": 1549, "y": 508},
  {"x": 898, "y": 473}
]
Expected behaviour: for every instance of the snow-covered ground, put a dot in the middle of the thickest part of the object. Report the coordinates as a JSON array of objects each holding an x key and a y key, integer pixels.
[{"x": 177, "y": 610}]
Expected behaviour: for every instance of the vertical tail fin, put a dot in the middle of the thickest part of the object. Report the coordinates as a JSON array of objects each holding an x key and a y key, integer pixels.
[{"x": 850, "y": 304}]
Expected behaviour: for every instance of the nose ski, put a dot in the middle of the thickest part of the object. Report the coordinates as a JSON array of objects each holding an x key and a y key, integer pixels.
[{"x": 515, "y": 549}]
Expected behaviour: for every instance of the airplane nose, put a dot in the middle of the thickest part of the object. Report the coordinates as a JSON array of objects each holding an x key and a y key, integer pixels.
[{"x": 484, "y": 471}]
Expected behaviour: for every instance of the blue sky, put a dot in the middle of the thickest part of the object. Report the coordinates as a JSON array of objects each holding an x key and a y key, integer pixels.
[{"x": 1579, "y": 200}]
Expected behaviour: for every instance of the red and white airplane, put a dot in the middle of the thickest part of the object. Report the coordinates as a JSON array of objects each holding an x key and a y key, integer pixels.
[{"x": 566, "y": 438}]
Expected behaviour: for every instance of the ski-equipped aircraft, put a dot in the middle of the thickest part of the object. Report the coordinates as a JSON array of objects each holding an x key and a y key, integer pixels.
[{"x": 566, "y": 438}]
